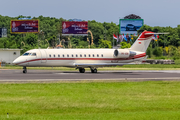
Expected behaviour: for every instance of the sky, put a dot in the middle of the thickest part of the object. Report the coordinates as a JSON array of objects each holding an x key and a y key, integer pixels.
[{"x": 154, "y": 12}]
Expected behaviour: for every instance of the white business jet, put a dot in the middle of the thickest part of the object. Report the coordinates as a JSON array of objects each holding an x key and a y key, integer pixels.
[{"x": 86, "y": 58}]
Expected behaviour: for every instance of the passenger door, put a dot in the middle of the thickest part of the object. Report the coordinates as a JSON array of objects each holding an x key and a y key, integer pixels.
[{"x": 43, "y": 56}]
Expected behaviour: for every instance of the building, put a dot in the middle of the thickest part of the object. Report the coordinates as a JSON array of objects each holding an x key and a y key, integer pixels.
[
  {"x": 3, "y": 32},
  {"x": 9, "y": 55}
]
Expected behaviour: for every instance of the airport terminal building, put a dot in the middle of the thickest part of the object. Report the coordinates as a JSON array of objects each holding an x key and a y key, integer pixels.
[{"x": 9, "y": 55}]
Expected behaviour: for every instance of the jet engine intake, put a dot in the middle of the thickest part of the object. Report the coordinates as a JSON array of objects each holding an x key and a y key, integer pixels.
[{"x": 123, "y": 53}]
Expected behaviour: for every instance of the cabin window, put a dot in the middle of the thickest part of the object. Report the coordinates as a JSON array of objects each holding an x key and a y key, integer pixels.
[
  {"x": 72, "y": 55},
  {"x": 93, "y": 55},
  {"x": 101, "y": 55},
  {"x": 67, "y": 55},
  {"x": 80, "y": 55},
  {"x": 26, "y": 54},
  {"x": 58, "y": 55},
  {"x": 54, "y": 55},
  {"x": 14, "y": 53},
  {"x": 63, "y": 55},
  {"x": 49, "y": 55},
  {"x": 33, "y": 54},
  {"x": 84, "y": 55},
  {"x": 97, "y": 55},
  {"x": 89, "y": 55},
  {"x": 76, "y": 55}
]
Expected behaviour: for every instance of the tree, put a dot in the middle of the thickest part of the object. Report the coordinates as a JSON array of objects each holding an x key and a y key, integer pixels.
[
  {"x": 104, "y": 43},
  {"x": 31, "y": 39},
  {"x": 158, "y": 51},
  {"x": 149, "y": 52},
  {"x": 125, "y": 45}
]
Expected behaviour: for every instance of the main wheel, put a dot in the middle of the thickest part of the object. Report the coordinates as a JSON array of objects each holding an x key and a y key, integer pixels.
[
  {"x": 94, "y": 70},
  {"x": 81, "y": 70}
]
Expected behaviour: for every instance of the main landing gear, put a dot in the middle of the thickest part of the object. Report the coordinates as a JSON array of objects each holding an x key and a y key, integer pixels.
[
  {"x": 24, "y": 69},
  {"x": 93, "y": 70},
  {"x": 81, "y": 70}
]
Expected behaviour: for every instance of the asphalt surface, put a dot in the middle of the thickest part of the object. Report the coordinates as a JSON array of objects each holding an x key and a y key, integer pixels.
[{"x": 57, "y": 75}]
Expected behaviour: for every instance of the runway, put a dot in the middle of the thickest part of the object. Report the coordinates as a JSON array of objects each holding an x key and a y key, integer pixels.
[{"x": 57, "y": 75}]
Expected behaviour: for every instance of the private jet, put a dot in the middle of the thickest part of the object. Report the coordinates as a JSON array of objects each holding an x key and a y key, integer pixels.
[{"x": 86, "y": 58}]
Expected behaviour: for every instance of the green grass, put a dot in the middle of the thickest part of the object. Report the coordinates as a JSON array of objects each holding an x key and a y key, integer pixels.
[{"x": 150, "y": 100}]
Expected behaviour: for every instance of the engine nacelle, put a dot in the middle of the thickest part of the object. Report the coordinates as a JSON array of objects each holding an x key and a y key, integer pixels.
[{"x": 123, "y": 53}]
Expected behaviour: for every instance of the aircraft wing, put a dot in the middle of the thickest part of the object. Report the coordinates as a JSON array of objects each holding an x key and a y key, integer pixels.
[{"x": 100, "y": 64}]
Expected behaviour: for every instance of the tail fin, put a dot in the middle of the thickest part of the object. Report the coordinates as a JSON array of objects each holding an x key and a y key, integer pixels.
[{"x": 143, "y": 41}]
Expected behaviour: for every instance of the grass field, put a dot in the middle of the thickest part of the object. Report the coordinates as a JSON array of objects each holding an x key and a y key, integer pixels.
[{"x": 150, "y": 100}]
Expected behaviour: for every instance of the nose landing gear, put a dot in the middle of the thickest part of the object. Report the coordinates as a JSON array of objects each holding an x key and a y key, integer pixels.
[{"x": 24, "y": 69}]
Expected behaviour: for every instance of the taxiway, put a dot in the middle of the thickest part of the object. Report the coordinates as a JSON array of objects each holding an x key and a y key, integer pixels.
[{"x": 57, "y": 75}]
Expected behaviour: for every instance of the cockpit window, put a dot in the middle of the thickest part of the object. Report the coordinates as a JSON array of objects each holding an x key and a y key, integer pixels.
[
  {"x": 26, "y": 54},
  {"x": 33, "y": 54}
]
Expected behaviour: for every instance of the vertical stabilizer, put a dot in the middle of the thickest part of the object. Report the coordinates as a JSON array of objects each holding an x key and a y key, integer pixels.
[{"x": 143, "y": 41}]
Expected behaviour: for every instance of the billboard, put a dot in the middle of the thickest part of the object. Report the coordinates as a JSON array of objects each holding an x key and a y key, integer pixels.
[
  {"x": 75, "y": 28},
  {"x": 24, "y": 26},
  {"x": 130, "y": 26}
]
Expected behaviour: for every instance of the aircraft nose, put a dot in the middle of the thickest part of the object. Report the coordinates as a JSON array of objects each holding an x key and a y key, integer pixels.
[{"x": 15, "y": 62}]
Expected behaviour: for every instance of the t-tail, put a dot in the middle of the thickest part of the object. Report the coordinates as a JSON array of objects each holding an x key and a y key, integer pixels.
[{"x": 143, "y": 41}]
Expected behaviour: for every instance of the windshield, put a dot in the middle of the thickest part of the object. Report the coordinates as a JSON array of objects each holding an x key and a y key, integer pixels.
[
  {"x": 26, "y": 54},
  {"x": 29, "y": 54},
  {"x": 33, "y": 54}
]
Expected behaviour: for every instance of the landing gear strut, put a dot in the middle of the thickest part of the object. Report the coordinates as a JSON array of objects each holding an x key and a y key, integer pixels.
[
  {"x": 81, "y": 70},
  {"x": 24, "y": 69},
  {"x": 93, "y": 70}
]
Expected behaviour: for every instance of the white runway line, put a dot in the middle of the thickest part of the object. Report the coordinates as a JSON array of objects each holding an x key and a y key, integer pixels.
[
  {"x": 74, "y": 80},
  {"x": 154, "y": 71}
]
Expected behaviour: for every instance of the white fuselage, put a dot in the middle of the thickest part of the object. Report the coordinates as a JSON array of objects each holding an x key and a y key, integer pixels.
[{"x": 73, "y": 57}]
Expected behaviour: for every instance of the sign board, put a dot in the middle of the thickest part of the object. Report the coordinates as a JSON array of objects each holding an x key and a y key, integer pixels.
[
  {"x": 3, "y": 32},
  {"x": 130, "y": 26},
  {"x": 24, "y": 26},
  {"x": 74, "y": 28}
]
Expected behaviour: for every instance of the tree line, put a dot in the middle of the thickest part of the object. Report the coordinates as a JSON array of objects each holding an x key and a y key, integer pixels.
[{"x": 50, "y": 35}]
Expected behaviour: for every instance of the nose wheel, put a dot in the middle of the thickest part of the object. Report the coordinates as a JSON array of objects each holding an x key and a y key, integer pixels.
[{"x": 24, "y": 70}]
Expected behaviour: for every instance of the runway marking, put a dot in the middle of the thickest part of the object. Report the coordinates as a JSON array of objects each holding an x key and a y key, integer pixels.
[
  {"x": 146, "y": 71},
  {"x": 66, "y": 73},
  {"x": 5, "y": 69},
  {"x": 88, "y": 80}
]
